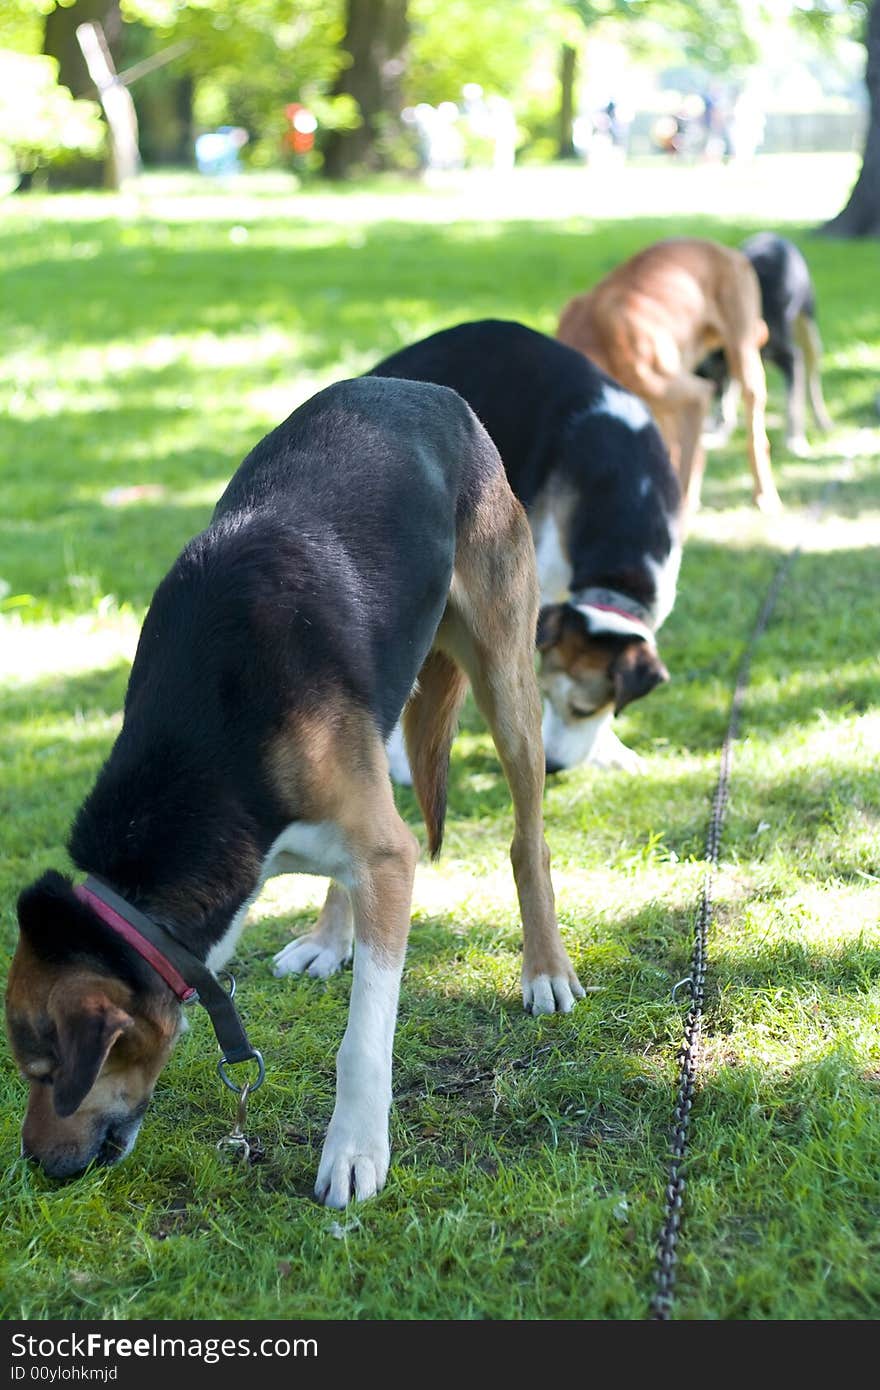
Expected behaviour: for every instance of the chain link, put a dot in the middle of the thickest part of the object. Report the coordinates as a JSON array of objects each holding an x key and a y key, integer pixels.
[{"x": 689, "y": 1052}]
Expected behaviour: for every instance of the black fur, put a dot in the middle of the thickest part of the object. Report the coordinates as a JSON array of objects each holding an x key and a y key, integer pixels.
[
  {"x": 326, "y": 568},
  {"x": 534, "y": 396},
  {"x": 786, "y": 292}
]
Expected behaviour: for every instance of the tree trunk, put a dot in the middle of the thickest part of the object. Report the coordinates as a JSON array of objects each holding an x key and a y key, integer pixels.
[
  {"x": 567, "y": 69},
  {"x": 861, "y": 216},
  {"x": 375, "y": 36},
  {"x": 60, "y": 42}
]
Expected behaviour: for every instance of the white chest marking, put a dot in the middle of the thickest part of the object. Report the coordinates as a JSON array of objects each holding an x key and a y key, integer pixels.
[
  {"x": 623, "y": 406},
  {"x": 665, "y": 581},
  {"x": 569, "y": 742},
  {"x": 303, "y": 848},
  {"x": 311, "y": 848},
  {"x": 554, "y": 567}
]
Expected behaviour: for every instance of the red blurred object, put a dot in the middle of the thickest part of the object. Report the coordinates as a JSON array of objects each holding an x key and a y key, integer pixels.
[{"x": 300, "y": 138}]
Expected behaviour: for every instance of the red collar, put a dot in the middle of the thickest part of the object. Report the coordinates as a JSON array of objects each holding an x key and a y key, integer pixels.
[{"x": 129, "y": 932}]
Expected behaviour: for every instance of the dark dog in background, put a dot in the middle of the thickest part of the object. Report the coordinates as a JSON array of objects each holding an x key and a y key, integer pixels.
[
  {"x": 588, "y": 463},
  {"x": 368, "y": 554},
  {"x": 793, "y": 345}
]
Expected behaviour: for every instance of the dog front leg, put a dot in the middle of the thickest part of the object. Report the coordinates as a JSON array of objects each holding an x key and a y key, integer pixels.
[
  {"x": 744, "y": 361},
  {"x": 792, "y": 366},
  {"x": 320, "y": 953},
  {"x": 689, "y": 398},
  {"x": 354, "y": 1161}
]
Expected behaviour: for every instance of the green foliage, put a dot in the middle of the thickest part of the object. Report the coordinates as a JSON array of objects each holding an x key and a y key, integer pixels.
[
  {"x": 832, "y": 20},
  {"x": 454, "y": 41},
  {"x": 527, "y": 1171},
  {"x": 250, "y": 61},
  {"x": 40, "y": 123},
  {"x": 21, "y": 24}
]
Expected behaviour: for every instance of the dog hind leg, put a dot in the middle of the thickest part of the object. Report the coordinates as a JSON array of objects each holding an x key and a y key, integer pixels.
[
  {"x": 808, "y": 338},
  {"x": 490, "y": 631}
]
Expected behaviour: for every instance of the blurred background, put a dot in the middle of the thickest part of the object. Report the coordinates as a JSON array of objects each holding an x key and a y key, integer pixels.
[{"x": 94, "y": 91}]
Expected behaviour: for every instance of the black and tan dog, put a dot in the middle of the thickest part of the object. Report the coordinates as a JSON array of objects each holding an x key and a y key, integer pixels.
[
  {"x": 368, "y": 555},
  {"x": 588, "y": 464}
]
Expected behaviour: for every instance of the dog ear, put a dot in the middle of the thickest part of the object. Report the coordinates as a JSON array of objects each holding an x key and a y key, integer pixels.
[
  {"x": 550, "y": 621},
  {"x": 88, "y": 1025},
  {"x": 46, "y": 910},
  {"x": 555, "y": 620},
  {"x": 635, "y": 671}
]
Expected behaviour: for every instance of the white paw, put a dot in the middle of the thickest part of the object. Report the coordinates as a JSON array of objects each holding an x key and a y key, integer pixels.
[
  {"x": 551, "y": 994},
  {"x": 798, "y": 446},
  {"x": 311, "y": 955},
  {"x": 611, "y": 753},
  {"x": 716, "y": 438},
  {"x": 769, "y": 503},
  {"x": 352, "y": 1166}
]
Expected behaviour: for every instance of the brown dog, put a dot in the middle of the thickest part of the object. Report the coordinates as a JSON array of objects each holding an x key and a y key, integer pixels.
[{"x": 653, "y": 320}]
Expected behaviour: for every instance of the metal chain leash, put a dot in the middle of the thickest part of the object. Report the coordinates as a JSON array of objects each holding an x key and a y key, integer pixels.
[{"x": 688, "y": 1055}]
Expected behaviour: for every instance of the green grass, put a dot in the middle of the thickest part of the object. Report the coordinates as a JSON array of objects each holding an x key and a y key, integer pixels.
[{"x": 150, "y": 340}]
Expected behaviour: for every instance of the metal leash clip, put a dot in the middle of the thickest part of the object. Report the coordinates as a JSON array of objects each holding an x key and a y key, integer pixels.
[{"x": 236, "y": 1140}]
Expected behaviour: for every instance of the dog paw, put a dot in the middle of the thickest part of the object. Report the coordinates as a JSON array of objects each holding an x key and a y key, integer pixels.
[
  {"x": 798, "y": 446},
  {"x": 311, "y": 955},
  {"x": 610, "y": 753},
  {"x": 352, "y": 1166},
  {"x": 768, "y": 502},
  {"x": 552, "y": 994}
]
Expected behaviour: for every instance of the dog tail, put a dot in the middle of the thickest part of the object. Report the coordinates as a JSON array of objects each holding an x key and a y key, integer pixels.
[{"x": 429, "y": 723}]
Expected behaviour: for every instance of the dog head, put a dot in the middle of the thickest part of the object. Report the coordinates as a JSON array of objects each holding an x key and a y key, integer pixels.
[
  {"x": 587, "y": 674},
  {"x": 89, "y": 1028}
]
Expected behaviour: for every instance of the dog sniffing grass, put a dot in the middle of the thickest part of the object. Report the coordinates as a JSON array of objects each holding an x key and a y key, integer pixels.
[{"x": 151, "y": 352}]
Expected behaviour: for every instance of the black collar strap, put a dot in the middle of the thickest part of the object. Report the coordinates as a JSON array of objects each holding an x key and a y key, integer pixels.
[{"x": 184, "y": 973}]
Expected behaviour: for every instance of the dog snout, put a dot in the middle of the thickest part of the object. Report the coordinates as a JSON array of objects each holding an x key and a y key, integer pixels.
[{"x": 109, "y": 1142}]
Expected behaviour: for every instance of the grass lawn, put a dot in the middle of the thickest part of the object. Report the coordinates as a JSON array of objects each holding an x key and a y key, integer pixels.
[{"x": 148, "y": 342}]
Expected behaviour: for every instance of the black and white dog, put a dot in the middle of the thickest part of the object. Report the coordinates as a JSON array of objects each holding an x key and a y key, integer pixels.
[
  {"x": 367, "y": 554},
  {"x": 586, "y": 460},
  {"x": 789, "y": 309}
]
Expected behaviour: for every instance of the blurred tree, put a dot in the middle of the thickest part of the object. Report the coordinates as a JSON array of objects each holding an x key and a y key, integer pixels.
[
  {"x": 861, "y": 216},
  {"x": 376, "y": 32},
  {"x": 567, "y": 69},
  {"x": 249, "y": 61},
  {"x": 60, "y": 41}
]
